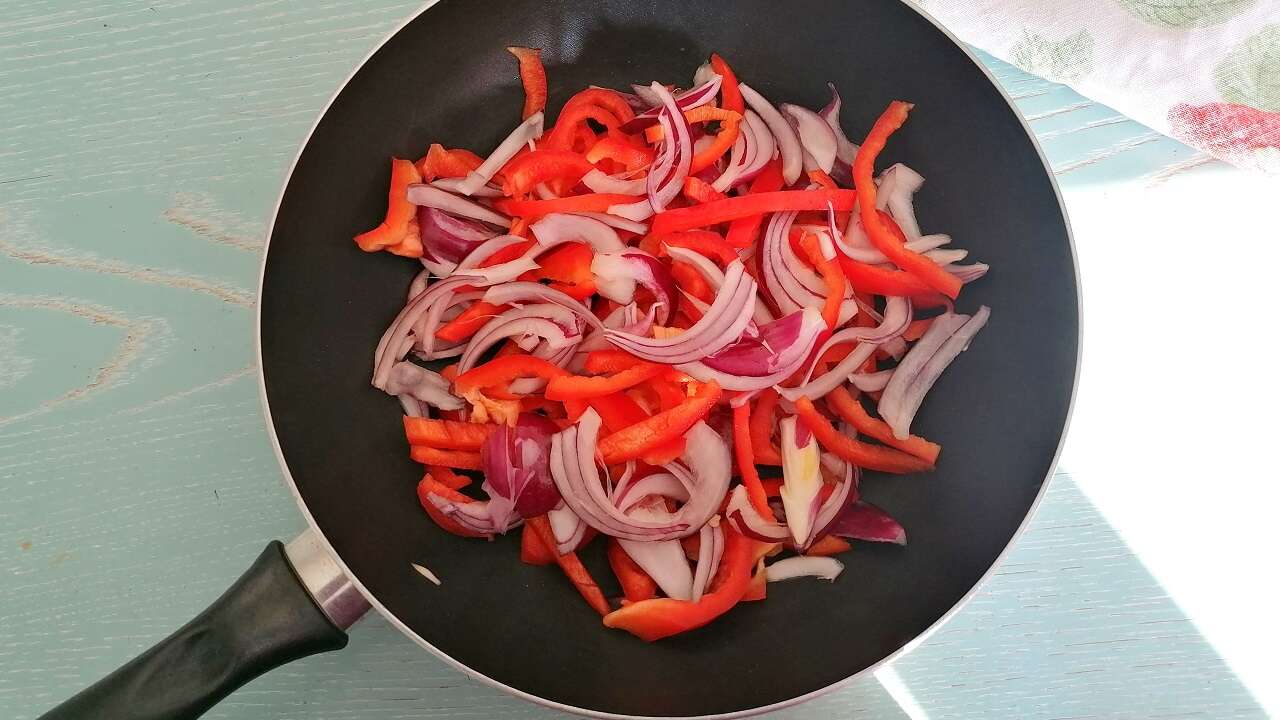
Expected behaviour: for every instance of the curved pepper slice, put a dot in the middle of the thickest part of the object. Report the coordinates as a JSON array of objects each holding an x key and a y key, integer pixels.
[
  {"x": 526, "y": 170},
  {"x": 832, "y": 277},
  {"x": 614, "y": 146},
  {"x": 460, "y": 459},
  {"x": 718, "y": 211},
  {"x": 730, "y": 95},
  {"x": 743, "y": 231},
  {"x": 571, "y": 565},
  {"x": 469, "y": 321},
  {"x": 703, "y": 242},
  {"x": 729, "y": 121},
  {"x": 533, "y": 77},
  {"x": 743, "y": 453},
  {"x": 851, "y": 411},
  {"x": 893, "y": 248},
  {"x": 581, "y": 387},
  {"x": 590, "y": 202},
  {"x": 699, "y": 191},
  {"x": 501, "y": 371},
  {"x": 762, "y": 429},
  {"x": 441, "y": 163},
  {"x": 446, "y": 434},
  {"x": 663, "y": 617},
  {"x": 400, "y": 212},
  {"x": 872, "y": 457},
  {"x": 637, "y": 440}
]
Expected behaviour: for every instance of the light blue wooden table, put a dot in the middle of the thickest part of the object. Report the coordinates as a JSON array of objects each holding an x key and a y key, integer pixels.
[{"x": 142, "y": 146}]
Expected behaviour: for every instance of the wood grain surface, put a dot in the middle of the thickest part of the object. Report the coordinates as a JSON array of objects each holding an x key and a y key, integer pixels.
[{"x": 142, "y": 146}]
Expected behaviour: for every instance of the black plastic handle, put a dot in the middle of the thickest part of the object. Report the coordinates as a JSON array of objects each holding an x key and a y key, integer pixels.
[{"x": 266, "y": 619}]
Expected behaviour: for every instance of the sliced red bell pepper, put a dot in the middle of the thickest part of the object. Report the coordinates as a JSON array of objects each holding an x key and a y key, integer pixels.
[
  {"x": 635, "y": 441},
  {"x": 448, "y": 477},
  {"x": 662, "y": 617},
  {"x": 532, "y": 551},
  {"x": 611, "y": 360},
  {"x": 460, "y": 459},
  {"x": 699, "y": 191},
  {"x": 601, "y": 97},
  {"x": 392, "y": 230},
  {"x": 469, "y": 321},
  {"x": 851, "y": 411},
  {"x": 602, "y": 105},
  {"x": 762, "y": 429},
  {"x": 636, "y": 583},
  {"x": 666, "y": 452},
  {"x": 583, "y": 387},
  {"x": 428, "y": 487},
  {"x": 690, "y": 280},
  {"x": 743, "y": 453},
  {"x": 730, "y": 95},
  {"x": 703, "y": 242},
  {"x": 618, "y": 411},
  {"x": 829, "y": 545},
  {"x": 446, "y": 434},
  {"x": 533, "y": 77},
  {"x": 525, "y": 171},
  {"x": 442, "y": 163},
  {"x": 614, "y": 146},
  {"x": 863, "y": 168},
  {"x": 757, "y": 588},
  {"x": 669, "y": 394},
  {"x": 590, "y": 202},
  {"x": 723, "y": 140},
  {"x": 569, "y": 264},
  {"x": 872, "y": 457},
  {"x": 916, "y": 329},
  {"x": 499, "y": 372},
  {"x": 743, "y": 231},
  {"x": 832, "y": 278},
  {"x": 882, "y": 281},
  {"x": 571, "y": 565},
  {"x": 719, "y": 211}
]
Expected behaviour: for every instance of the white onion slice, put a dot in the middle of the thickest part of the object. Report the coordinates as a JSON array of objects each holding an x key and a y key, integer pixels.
[
  {"x": 788, "y": 141},
  {"x": 948, "y": 336},
  {"x": 816, "y": 136},
  {"x": 823, "y": 568},
  {"x": 528, "y": 130},
  {"x": 422, "y": 194}
]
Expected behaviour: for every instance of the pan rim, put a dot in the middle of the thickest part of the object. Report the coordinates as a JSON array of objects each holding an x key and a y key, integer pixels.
[{"x": 588, "y": 712}]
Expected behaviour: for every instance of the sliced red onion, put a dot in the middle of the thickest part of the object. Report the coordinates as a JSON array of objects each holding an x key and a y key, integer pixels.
[
  {"x": 629, "y": 491},
  {"x": 543, "y": 191},
  {"x": 751, "y": 151},
  {"x": 896, "y": 319},
  {"x": 709, "y": 537},
  {"x": 438, "y": 268},
  {"x": 411, "y": 406},
  {"x": 947, "y": 257},
  {"x": 434, "y": 197},
  {"x": 842, "y": 170},
  {"x": 662, "y": 560},
  {"x": 687, "y": 100},
  {"x": 620, "y": 223},
  {"x": 636, "y": 211},
  {"x": 870, "y": 382},
  {"x": 948, "y": 336},
  {"x": 517, "y": 476},
  {"x": 790, "y": 283},
  {"x": 397, "y": 340},
  {"x": 556, "y": 228},
  {"x": 788, "y": 143},
  {"x": 748, "y": 521},
  {"x": 447, "y": 238},
  {"x": 715, "y": 278},
  {"x": 967, "y": 273},
  {"x": 528, "y": 130},
  {"x": 816, "y": 136},
  {"x": 558, "y": 325},
  {"x": 723, "y": 323},
  {"x": 408, "y": 379},
  {"x": 602, "y": 183},
  {"x": 671, "y": 167},
  {"x": 802, "y": 483},
  {"x": 823, "y": 568},
  {"x": 430, "y": 321},
  {"x": 455, "y": 185},
  {"x": 863, "y": 521},
  {"x": 780, "y": 349},
  {"x": 616, "y": 275},
  {"x": 474, "y": 516},
  {"x": 706, "y": 471},
  {"x": 419, "y": 284},
  {"x": 902, "y": 183},
  {"x": 704, "y": 74},
  {"x": 567, "y": 527},
  {"x": 485, "y": 250}
]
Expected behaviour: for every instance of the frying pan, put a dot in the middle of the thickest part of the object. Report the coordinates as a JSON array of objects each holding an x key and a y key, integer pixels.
[{"x": 1000, "y": 412}]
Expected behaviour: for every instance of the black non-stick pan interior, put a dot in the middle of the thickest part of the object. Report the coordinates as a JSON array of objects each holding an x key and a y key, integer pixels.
[{"x": 998, "y": 413}]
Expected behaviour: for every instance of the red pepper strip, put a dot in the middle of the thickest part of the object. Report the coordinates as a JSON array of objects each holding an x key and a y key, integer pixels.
[
  {"x": 844, "y": 404},
  {"x": 616, "y": 147},
  {"x": 742, "y": 452},
  {"x": 519, "y": 228},
  {"x": 584, "y": 388},
  {"x": 511, "y": 252},
  {"x": 441, "y": 163},
  {"x": 428, "y": 487},
  {"x": 501, "y": 371},
  {"x": 707, "y": 157},
  {"x": 635, "y": 441},
  {"x": 762, "y": 429},
  {"x": 863, "y": 166},
  {"x": 448, "y": 478},
  {"x": 669, "y": 395},
  {"x": 446, "y": 434},
  {"x": 662, "y": 617},
  {"x": 469, "y": 321},
  {"x": 757, "y": 588},
  {"x": 525, "y": 171},
  {"x": 533, "y": 77},
  {"x": 882, "y": 281},
  {"x": 743, "y": 231},
  {"x": 636, "y": 583},
  {"x": 602, "y": 97},
  {"x": 665, "y": 453},
  {"x": 460, "y": 459},
  {"x": 532, "y": 551},
  {"x": 691, "y": 281},
  {"x": 573, "y": 116},
  {"x": 719, "y": 211},
  {"x": 730, "y": 95},
  {"x": 819, "y": 176},
  {"x": 571, "y": 565},
  {"x": 569, "y": 264},
  {"x": 609, "y": 361},
  {"x": 618, "y": 411},
  {"x": 591, "y": 202},
  {"x": 829, "y": 545},
  {"x": 574, "y": 408},
  {"x": 832, "y": 278},
  {"x": 700, "y": 191},
  {"x": 703, "y": 242},
  {"x": 916, "y": 329},
  {"x": 400, "y": 211},
  {"x": 872, "y": 457}
]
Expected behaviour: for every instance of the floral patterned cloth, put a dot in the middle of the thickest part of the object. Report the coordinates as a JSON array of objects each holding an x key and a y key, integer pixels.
[{"x": 1206, "y": 72}]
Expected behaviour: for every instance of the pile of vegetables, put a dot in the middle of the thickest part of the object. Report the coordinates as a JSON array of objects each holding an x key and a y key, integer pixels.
[{"x": 646, "y": 303}]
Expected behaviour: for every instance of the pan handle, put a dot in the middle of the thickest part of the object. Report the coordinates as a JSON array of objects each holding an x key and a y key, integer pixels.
[{"x": 291, "y": 603}]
